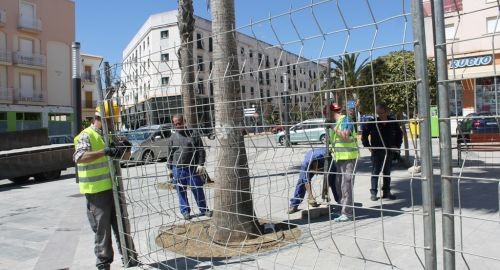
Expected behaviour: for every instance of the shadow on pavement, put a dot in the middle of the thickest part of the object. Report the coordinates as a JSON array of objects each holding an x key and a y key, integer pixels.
[{"x": 196, "y": 263}]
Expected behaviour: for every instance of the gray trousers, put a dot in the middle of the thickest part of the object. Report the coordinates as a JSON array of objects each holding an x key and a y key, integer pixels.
[
  {"x": 102, "y": 217},
  {"x": 346, "y": 169}
]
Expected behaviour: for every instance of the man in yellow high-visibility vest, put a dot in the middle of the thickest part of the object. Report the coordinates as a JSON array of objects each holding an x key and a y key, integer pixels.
[
  {"x": 91, "y": 158},
  {"x": 344, "y": 147}
]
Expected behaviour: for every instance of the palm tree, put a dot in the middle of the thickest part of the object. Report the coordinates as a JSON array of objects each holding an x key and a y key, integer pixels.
[
  {"x": 348, "y": 74},
  {"x": 234, "y": 216},
  {"x": 186, "y": 21}
]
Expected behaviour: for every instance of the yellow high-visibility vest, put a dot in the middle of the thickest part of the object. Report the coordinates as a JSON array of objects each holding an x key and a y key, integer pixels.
[
  {"x": 94, "y": 176},
  {"x": 343, "y": 150}
]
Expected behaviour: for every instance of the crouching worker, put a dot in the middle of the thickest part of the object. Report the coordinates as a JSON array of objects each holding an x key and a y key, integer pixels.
[{"x": 314, "y": 162}]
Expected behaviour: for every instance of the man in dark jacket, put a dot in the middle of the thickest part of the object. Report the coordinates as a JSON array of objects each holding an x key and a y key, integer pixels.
[
  {"x": 186, "y": 162},
  {"x": 382, "y": 139}
]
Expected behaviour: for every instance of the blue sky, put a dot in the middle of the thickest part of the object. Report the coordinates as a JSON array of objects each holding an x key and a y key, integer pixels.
[{"x": 105, "y": 27}]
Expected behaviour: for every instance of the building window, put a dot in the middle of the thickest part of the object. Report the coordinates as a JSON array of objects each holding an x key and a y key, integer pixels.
[
  {"x": 252, "y": 91},
  {"x": 493, "y": 24},
  {"x": 449, "y": 31},
  {"x": 210, "y": 44},
  {"x": 268, "y": 93},
  {"x": 261, "y": 78},
  {"x": 164, "y": 80},
  {"x": 211, "y": 88},
  {"x": 242, "y": 50},
  {"x": 259, "y": 58},
  {"x": 250, "y": 53},
  {"x": 261, "y": 93},
  {"x": 164, "y": 57},
  {"x": 201, "y": 88},
  {"x": 210, "y": 66},
  {"x": 164, "y": 34},
  {"x": 199, "y": 40},
  {"x": 268, "y": 81},
  {"x": 243, "y": 90},
  {"x": 201, "y": 66}
]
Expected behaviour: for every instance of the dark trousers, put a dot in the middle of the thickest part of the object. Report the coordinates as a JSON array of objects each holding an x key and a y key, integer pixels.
[
  {"x": 185, "y": 177},
  {"x": 102, "y": 217},
  {"x": 381, "y": 162}
]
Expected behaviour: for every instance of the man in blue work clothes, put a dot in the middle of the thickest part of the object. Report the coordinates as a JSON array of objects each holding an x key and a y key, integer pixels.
[
  {"x": 314, "y": 162},
  {"x": 186, "y": 160}
]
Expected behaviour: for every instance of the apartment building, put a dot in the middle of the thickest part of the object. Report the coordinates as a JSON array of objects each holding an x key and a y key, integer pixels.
[
  {"x": 89, "y": 65},
  {"x": 35, "y": 64},
  {"x": 153, "y": 80},
  {"x": 473, "y": 43}
]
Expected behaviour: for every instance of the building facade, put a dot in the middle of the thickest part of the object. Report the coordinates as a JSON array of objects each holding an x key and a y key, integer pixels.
[
  {"x": 35, "y": 64},
  {"x": 89, "y": 65},
  {"x": 153, "y": 80},
  {"x": 473, "y": 44}
]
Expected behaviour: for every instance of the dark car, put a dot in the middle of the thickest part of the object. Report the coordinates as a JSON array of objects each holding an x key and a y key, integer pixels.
[
  {"x": 277, "y": 128},
  {"x": 477, "y": 123},
  {"x": 60, "y": 139}
]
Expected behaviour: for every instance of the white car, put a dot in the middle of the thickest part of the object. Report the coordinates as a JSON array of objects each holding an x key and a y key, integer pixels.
[{"x": 312, "y": 130}]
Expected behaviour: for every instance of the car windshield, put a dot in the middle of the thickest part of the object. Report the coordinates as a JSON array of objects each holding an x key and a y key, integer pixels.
[{"x": 139, "y": 135}]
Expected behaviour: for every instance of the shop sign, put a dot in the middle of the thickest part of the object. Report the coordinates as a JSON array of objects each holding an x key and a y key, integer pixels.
[{"x": 473, "y": 61}]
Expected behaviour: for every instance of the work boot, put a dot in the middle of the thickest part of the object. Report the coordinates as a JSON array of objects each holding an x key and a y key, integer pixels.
[
  {"x": 208, "y": 213},
  {"x": 312, "y": 203},
  {"x": 293, "y": 209},
  {"x": 388, "y": 195},
  {"x": 186, "y": 216}
]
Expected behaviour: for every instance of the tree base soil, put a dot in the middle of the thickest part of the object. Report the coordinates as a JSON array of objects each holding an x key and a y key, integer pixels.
[{"x": 195, "y": 239}]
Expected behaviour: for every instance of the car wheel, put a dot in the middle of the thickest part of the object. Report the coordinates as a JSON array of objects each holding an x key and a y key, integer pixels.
[
  {"x": 46, "y": 176},
  {"x": 281, "y": 140},
  {"x": 20, "y": 179},
  {"x": 148, "y": 156},
  {"x": 322, "y": 139}
]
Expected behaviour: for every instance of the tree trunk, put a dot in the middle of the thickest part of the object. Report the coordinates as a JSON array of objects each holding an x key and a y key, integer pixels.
[
  {"x": 234, "y": 215},
  {"x": 185, "y": 20}
]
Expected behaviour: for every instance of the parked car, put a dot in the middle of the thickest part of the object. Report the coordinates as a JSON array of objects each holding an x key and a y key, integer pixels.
[
  {"x": 277, "y": 128},
  {"x": 312, "y": 130},
  {"x": 148, "y": 143},
  {"x": 60, "y": 139},
  {"x": 477, "y": 123}
]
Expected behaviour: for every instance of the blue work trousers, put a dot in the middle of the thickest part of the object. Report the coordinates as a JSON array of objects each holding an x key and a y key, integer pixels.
[
  {"x": 185, "y": 177},
  {"x": 300, "y": 189}
]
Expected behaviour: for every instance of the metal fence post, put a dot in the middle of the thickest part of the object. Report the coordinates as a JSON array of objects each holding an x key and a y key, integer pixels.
[
  {"x": 447, "y": 192},
  {"x": 425, "y": 134},
  {"x": 127, "y": 245}
]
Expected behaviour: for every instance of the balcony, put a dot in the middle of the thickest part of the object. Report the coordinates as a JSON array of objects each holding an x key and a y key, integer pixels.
[
  {"x": 88, "y": 78},
  {"x": 30, "y": 60},
  {"x": 33, "y": 25},
  {"x": 89, "y": 104},
  {"x": 5, "y": 58},
  {"x": 29, "y": 96},
  {"x": 3, "y": 17},
  {"x": 6, "y": 95}
]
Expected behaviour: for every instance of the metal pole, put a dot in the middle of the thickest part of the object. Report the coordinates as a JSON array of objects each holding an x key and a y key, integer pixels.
[
  {"x": 127, "y": 244},
  {"x": 77, "y": 88},
  {"x": 447, "y": 192},
  {"x": 326, "y": 167},
  {"x": 287, "y": 109},
  {"x": 425, "y": 135}
]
